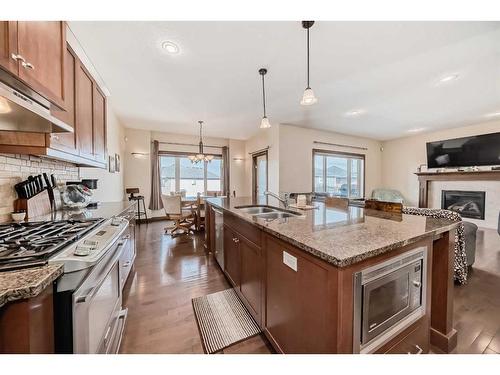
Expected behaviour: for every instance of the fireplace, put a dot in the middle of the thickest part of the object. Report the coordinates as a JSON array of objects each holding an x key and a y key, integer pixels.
[{"x": 469, "y": 204}]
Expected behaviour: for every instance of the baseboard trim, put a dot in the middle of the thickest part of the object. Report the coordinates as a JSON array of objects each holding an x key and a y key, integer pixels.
[{"x": 445, "y": 343}]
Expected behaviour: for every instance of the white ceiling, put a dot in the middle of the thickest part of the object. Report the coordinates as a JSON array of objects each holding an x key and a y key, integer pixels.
[{"x": 388, "y": 69}]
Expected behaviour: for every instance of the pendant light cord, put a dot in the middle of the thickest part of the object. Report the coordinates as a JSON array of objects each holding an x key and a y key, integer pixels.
[
  {"x": 308, "y": 58},
  {"x": 201, "y": 139},
  {"x": 263, "y": 95}
]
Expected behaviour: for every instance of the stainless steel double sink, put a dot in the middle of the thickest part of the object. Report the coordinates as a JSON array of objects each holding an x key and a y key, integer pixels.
[{"x": 268, "y": 212}]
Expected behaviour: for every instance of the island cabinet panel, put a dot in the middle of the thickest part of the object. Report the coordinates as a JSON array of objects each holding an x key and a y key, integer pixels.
[
  {"x": 232, "y": 257},
  {"x": 27, "y": 326},
  {"x": 300, "y": 304},
  {"x": 251, "y": 277}
]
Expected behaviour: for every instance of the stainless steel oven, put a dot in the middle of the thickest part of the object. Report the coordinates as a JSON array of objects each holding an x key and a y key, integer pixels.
[
  {"x": 98, "y": 318},
  {"x": 387, "y": 298}
]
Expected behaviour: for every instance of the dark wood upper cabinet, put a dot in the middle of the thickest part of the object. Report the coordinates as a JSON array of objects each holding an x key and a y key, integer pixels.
[
  {"x": 41, "y": 48},
  {"x": 84, "y": 111},
  {"x": 67, "y": 141},
  {"x": 99, "y": 135},
  {"x": 8, "y": 46}
]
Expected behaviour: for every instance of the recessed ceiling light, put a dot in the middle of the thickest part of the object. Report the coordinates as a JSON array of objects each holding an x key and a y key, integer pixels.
[
  {"x": 416, "y": 130},
  {"x": 448, "y": 78},
  {"x": 170, "y": 47},
  {"x": 493, "y": 114},
  {"x": 354, "y": 113}
]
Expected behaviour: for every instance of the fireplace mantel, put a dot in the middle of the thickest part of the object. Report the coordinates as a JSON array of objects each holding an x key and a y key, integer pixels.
[{"x": 425, "y": 177}]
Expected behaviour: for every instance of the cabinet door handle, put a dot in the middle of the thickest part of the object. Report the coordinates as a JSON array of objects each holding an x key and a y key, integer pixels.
[
  {"x": 126, "y": 264},
  {"x": 27, "y": 65},
  {"x": 55, "y": 137},
  {"x": 17, "y": 57}
]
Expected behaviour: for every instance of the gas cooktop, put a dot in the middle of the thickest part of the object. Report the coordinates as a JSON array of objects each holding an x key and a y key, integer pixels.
[{"x": 31, "y": 244}]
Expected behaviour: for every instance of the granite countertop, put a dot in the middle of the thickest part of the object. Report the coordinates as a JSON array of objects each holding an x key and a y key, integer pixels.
[
  {"x": 27, "y": 283},
  {"x": 342, "y": 237},
  {"x": 104, "y": 210}
]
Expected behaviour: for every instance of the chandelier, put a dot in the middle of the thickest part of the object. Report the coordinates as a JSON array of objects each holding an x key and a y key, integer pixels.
[{"x": 200, "y": 156}]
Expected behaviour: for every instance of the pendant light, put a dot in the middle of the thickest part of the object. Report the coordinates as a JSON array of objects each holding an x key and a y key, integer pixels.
[
  {"x": 264, "y": 124},
  {"x": 308, "y": 98},
  {"x": 200, "y": 156}
]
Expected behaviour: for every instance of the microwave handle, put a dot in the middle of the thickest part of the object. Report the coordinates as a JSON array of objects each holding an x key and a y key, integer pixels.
[{"x": 92, "y": 291}]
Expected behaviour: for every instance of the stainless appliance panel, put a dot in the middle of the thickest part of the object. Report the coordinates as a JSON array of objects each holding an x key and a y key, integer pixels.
[
  {"x": 22, "y": 109},
  {"x": 97, "y": 305},
  {"x": 388, "y": 297},
  {"x": 219, "y": 236}
]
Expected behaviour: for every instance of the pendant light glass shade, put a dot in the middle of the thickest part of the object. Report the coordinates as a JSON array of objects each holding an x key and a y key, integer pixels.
[
  {"x": 264, "y": 124},
  {"x": 308, "y": 98}
]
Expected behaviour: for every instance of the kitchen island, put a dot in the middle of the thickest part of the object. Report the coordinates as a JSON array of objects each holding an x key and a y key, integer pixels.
[{"x": 296, "y": 275}]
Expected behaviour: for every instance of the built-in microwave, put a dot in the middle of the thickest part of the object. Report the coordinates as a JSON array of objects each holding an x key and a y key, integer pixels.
[{"x": 388, "y": 297}]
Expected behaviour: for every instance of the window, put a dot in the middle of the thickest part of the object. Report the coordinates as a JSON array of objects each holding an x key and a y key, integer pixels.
[
  {"x": 338, "y": 174},
  {"x": 178, "y": 173}
]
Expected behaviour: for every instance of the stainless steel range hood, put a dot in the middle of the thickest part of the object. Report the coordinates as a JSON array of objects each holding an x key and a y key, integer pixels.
[{"x": 22, "y": 109}]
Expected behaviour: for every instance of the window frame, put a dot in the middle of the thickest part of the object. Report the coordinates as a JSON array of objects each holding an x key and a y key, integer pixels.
[
  {"x": 177, "y": 177},
  {"x": 350, "y": 155}
]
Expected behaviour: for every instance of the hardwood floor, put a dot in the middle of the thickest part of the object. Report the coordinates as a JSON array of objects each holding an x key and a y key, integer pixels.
[
  {"x": 477, "y": 304},
  {"x": 170, "y": 272}
]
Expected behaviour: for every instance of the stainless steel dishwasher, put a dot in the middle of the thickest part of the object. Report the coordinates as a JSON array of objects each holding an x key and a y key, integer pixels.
[{"x": 219, "y": 237}]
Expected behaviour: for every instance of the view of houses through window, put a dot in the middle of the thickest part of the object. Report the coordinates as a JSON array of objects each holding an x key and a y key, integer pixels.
[
  {"x": 179, "y": 174},
  {"x": 338, "y": 174}
]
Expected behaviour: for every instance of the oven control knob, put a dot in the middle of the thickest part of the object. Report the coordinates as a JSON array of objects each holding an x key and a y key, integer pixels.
[{"x": 416, "y": 283}]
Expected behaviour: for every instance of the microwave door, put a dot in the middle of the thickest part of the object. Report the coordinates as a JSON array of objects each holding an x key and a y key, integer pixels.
[{"x": 386, "y": 300}]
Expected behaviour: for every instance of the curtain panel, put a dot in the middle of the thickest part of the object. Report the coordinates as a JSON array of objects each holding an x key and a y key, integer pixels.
[
  {"x": 226, "y": 190},
  {"x": 155, "y": 203}
]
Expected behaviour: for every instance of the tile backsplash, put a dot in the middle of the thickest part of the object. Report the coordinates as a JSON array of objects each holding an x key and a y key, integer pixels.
[{"x": 15, "y": 168}]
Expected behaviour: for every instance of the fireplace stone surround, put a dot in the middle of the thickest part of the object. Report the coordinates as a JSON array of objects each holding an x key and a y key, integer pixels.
[{"x": 432, "y": 184}]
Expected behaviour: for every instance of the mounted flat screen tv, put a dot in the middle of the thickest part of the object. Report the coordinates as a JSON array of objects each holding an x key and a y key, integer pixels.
[{"x": 464, "y": 152}]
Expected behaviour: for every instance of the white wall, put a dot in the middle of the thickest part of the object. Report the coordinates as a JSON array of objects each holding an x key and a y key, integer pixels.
[
  {"x": 110, "y": 185},
  {"x": 401, "y": 157},
  {"x": 264, "y": 138},
  {"x": 237, "y": 167},
  {"x": 295, "y": 157}
]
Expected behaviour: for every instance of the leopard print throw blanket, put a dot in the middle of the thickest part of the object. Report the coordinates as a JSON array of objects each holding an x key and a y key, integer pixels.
[{"x": 460, "y": 263}]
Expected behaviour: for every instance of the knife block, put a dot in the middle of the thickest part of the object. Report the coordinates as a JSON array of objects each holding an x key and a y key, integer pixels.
[{"x": 35, "y": 206}]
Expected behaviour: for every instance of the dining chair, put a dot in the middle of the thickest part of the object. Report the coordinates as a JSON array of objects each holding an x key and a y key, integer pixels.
[
  {"x": 394, "y": 207},
  {"x": 183, "y": 218},
  {"x": 336, "y": 202},
  {"x": 213, "y": 193},
  {"x": 200, "y": 212}
]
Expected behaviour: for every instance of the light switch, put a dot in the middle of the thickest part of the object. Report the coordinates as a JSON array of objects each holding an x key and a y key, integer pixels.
[{"x": 290, "y": 261}]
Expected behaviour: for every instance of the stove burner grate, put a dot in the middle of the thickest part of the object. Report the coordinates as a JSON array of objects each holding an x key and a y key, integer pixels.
[{"x": 32, "y": 243}]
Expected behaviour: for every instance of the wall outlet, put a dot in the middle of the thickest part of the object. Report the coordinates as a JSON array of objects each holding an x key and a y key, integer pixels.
[{"x": 290, "y": 261}]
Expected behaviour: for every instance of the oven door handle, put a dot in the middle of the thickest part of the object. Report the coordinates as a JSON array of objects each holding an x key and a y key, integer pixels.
[{"x": 92, "y": 291}]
